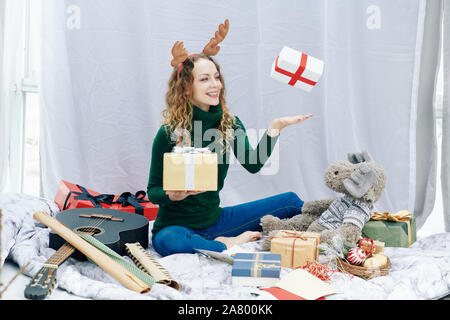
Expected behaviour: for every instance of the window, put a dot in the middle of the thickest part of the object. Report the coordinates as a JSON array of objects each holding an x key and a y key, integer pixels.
[
  {"x": 31, "y": 163},
  {"x": 24, "y": 144}
]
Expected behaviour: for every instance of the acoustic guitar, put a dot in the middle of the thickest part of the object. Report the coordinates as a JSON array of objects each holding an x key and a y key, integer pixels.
[{"x": 111, "y": 227}]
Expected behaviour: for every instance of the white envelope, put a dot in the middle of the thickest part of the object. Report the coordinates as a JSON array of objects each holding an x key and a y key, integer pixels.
[{"x": 301, "y": 283}]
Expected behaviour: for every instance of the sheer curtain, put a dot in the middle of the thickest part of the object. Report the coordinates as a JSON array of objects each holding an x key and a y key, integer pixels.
[
  {"x": 11, "y": 53},
  {"x": 4, "y": 137},
  {"x": 445, "y": 173},
  {"x": 426, "y": 140},
  {"x": 106, "y": 67}
]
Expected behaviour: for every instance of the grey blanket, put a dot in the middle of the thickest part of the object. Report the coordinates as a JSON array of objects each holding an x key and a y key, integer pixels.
[{"x": 419, "y": 272}]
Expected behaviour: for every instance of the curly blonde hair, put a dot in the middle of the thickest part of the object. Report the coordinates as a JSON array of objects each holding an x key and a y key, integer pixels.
[{"x": 179, "y": 110}]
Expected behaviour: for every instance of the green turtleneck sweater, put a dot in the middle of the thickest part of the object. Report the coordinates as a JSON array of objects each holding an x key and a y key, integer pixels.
[{"x": 201, "y": 210}]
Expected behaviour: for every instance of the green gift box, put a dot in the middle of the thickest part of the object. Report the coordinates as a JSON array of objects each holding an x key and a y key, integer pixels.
[{"x": 392, "y": 233}]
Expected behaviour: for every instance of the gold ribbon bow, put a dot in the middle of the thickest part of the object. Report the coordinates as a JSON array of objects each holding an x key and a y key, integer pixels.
[{"x": 400, "y": 216}]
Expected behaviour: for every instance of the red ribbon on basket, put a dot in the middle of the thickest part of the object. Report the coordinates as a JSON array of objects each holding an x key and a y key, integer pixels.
[
  {"x": 319, "y": 270},
  {"x": 297, "y": 76}
]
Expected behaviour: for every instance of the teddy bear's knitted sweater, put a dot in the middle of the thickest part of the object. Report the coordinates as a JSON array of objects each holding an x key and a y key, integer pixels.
[{"x": 345, "y": 210}]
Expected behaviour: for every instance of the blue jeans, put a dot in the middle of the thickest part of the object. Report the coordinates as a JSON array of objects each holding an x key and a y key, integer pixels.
[{"x": 233, "y": 221}]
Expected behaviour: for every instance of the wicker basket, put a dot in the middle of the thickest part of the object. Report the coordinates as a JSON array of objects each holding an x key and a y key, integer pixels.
[{"x": 363, "y": 272}]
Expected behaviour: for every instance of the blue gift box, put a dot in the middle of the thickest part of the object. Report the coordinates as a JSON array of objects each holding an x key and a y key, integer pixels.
[{"x": 256, "y": 269}]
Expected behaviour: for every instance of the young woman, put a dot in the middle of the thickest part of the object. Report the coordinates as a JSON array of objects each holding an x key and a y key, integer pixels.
[{"x": 189, "y": 220}]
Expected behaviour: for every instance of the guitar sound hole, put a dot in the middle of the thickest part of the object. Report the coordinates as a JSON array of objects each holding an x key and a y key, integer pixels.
[{"x": 89, "y": 230}]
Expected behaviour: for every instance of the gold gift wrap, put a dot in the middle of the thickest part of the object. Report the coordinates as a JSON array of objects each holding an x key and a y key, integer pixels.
[
  {"x": 379, "y": 246},
  {"x": 190, "y": 171},
  {"x": 375, "y": 261},
  {"x": 296, "y": 248}
]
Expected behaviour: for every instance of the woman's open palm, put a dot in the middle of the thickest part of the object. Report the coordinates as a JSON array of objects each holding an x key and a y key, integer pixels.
[{"x": 280, "y": 123}]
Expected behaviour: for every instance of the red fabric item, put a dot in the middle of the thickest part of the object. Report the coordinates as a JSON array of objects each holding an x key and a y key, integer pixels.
[
  {"x": 282, "y": 294},
  {"x": 67, "y": 192}
]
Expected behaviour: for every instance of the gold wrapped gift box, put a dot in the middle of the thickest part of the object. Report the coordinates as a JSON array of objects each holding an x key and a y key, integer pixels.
[
  {"x": 379, "y": 246},
  {"x": 296, "y": 247},
  {"x": 190, "y": 171},
  {"x": 375, "y": 261}
]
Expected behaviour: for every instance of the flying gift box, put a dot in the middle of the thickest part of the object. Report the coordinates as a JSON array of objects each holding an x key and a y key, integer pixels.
[
  {"x": 189, "y": 168},
  {"x": 297, "y": 69},
  {"x": 73, "y": 196}
]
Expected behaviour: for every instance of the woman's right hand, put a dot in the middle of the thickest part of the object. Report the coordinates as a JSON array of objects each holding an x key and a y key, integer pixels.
[{"x": 180, "y": 195}]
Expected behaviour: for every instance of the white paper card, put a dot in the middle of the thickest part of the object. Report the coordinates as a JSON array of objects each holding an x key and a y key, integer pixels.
[{"x": 305, "y": 285}]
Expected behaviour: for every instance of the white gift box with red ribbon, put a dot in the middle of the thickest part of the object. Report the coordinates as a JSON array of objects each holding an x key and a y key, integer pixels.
[{"x": 297, "y": 69}]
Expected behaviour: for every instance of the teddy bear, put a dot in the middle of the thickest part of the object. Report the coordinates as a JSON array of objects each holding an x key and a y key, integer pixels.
[{"x": 360, "y": 180}]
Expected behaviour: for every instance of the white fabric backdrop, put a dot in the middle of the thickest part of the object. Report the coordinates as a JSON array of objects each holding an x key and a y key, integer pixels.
[
  {"x": 445, "y": 169},
  {"x": 4, "y": 137},
  {"x": 426, "y": 139},
  {"x": 106, "y": 67}
]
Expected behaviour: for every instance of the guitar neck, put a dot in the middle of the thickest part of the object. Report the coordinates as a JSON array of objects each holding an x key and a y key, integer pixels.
[
  {"x": 44, "y": 281},
  {"x": 61, "y": 254}
]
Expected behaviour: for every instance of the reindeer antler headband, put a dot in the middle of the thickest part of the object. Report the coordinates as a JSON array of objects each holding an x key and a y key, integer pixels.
[{"x": 180, "y": 54}]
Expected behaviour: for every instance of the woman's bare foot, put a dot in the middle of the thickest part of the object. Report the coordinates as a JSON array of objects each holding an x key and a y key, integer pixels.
[{"x": 244, "y": 237}]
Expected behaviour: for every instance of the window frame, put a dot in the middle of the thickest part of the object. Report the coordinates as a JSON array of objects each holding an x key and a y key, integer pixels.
[{"x": 23, "y": 85}]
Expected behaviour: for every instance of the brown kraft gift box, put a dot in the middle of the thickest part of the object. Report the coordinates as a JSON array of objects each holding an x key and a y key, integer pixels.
[{"x": 303, "y": 245}]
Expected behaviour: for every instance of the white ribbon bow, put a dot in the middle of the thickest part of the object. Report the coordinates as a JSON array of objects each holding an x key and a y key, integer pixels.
[{"x": 178, "y": 149}]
